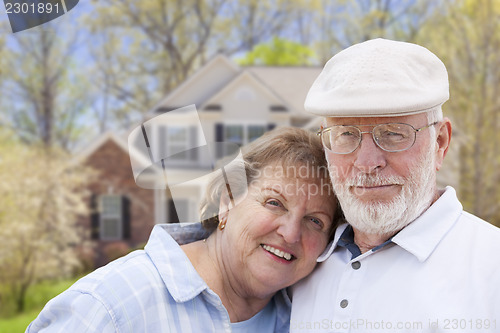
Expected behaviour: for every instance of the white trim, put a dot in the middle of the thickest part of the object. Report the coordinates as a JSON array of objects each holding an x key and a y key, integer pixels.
[{"x": 253, "y": 79}]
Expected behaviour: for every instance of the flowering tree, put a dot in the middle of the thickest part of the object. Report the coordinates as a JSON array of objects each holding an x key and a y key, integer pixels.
[{"x": 42, "y": 194}]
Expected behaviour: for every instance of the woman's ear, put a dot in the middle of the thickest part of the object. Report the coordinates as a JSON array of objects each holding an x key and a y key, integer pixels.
[
  {"x": 224, "y": 204},
  {"x": 443, "y": 139}
]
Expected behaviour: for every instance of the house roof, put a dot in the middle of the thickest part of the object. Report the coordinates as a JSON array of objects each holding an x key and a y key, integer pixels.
[
  {"x": 97, "y": 143},
  {"x": 289, "y": 83},
  {"x": 189, "y": 92}
]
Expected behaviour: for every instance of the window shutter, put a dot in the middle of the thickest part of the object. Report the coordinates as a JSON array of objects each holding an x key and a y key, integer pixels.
[
  {"x": 219, "y": 137},
  {"x": 94, "y": 216},
  {"x": 172, "y": 213},
  {"x": 126, "y": 218}
]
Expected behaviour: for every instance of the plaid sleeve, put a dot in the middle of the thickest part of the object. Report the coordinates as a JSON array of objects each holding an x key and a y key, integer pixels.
[{"x": 75, "y": 312}]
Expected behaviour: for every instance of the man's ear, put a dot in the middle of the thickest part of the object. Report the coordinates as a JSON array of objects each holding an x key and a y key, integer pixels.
[{"x": 442, "y": 140}]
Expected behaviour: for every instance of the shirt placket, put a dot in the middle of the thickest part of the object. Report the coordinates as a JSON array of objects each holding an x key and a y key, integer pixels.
[
  {"x": 223, "y": 323},
  {"x": 348, "y": 298}
]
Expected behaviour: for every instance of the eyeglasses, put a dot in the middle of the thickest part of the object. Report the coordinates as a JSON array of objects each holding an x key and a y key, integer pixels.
[{"x": 393, "y": 137}]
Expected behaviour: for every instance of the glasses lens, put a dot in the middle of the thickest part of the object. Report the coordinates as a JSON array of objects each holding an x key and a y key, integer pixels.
[
  {"x": 394, "y": 137},
  {"x": 341, "y": 139}
]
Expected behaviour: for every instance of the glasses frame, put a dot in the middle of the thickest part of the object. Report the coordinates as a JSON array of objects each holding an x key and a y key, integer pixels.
[{"x": 322, "y": 130}]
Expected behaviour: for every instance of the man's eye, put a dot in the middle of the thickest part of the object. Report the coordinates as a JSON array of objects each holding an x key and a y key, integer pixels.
[
  {"x": 393, "y": 135},
  {"x": 274, "y": 203}
]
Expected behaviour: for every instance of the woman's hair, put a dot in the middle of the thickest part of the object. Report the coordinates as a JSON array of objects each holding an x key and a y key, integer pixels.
[{"x": 298, "y": 152}]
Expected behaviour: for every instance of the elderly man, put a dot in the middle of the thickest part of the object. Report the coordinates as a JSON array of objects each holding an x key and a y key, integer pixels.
[{"x": 409, "y": 259}]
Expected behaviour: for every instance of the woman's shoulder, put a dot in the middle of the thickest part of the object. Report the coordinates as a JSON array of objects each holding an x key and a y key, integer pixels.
[{"x": 134, "y": 266}]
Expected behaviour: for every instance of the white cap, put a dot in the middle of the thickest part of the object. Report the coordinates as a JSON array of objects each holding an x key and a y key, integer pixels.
[{"x": 379, "y": 78}]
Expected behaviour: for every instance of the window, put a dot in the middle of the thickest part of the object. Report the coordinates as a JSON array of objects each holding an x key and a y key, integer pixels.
[
  {"x": 234, "y": 133},
  {"x": 254, "y": 132},
  {"x": 177, "y": 142},
  {"x": 111, "y": 221},
  {"x": 239, "y": 134},
  {"x": 213, "y": 107},
  {"x": 243, "y": 134}
]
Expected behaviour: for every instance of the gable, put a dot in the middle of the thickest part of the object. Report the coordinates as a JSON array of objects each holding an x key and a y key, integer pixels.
[
  {"x": 246, "y": 97},
  {"x": 96, "y": 144},
  {"x": 289, "y": 83},
  {"x": 201, "y": 85},
  {"x": 109, "y": 155}
]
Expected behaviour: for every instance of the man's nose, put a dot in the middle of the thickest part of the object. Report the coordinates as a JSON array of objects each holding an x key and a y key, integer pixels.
[{"x": 369, "y": 157}]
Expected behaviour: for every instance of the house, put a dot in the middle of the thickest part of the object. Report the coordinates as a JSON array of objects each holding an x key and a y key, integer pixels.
[{"x": 232, "y": 104}]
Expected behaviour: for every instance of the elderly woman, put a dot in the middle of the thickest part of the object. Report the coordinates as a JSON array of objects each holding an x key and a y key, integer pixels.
[{"x": 232, "y": 281}]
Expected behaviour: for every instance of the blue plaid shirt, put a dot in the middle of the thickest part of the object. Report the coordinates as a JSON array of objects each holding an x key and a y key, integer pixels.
[{"x": 152, "y": 290}]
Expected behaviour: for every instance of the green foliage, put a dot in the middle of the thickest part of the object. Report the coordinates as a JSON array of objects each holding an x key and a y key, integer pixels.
[
  {"x": 466, "y": 36},
  {"x": 37, "y": 296},
  {"x": 279, "y": 52}
]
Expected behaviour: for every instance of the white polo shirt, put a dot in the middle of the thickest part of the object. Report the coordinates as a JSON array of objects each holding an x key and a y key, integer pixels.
[{"x": 439, "y": 274}]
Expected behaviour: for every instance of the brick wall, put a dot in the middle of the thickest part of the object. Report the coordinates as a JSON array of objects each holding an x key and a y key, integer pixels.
[{"x": 116, "y": 177}]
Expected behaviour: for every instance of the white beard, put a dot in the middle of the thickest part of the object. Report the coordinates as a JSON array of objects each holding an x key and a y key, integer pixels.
[{"x": 383, "y": 218}]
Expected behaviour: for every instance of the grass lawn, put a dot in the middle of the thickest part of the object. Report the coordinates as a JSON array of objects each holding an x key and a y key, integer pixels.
[
  {"x": 37, "y": 296},
  {"x": 18, "y": 323}
]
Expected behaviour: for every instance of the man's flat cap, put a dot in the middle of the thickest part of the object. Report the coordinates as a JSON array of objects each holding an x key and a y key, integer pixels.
[{"x": 379, "y": 78}]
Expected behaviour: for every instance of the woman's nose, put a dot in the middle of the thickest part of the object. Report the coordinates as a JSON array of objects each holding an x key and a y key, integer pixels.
[{"x": 290, "y": 229}]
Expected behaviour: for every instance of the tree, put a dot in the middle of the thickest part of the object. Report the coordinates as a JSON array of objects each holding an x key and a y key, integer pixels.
[
  {"x": 144, "y": 49},
  {"x": 47, "y": 94},
  {"x": 344, "y": 23},
  {"x": 466, "y": 36},
  {"x": 279, "y": 52},
  {"x": 42, "y": 195}
]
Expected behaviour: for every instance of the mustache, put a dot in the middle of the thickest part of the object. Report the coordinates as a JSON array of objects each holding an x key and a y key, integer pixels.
[{"x": 366, "y": 180}]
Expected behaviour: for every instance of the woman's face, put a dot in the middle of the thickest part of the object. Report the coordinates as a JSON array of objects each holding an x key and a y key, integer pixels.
[{"x": 275, "y": 234}]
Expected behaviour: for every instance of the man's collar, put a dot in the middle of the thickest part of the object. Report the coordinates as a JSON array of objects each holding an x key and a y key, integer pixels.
[
  {"x": 333, "y": 244},
  {"x": 420, "y": 237}
]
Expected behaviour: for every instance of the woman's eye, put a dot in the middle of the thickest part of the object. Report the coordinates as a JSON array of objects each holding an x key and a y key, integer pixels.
[{"x": 316, "y": 222}]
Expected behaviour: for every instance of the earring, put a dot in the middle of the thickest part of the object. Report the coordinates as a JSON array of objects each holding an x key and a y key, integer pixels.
[{"x": 222, "y": 223}]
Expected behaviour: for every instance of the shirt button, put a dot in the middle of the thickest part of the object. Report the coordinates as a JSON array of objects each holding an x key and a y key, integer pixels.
[
  {"x": 344, "y": 303},
  {"x": 356, "y": 265}
]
